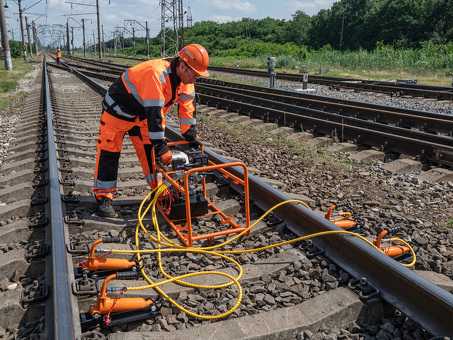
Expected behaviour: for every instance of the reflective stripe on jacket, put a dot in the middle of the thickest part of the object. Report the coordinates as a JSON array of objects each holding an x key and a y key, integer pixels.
[{"x": 148, "y": 90}]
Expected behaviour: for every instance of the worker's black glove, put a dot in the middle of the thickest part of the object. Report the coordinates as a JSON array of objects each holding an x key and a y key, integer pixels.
[{"x": 195, "y": 144}]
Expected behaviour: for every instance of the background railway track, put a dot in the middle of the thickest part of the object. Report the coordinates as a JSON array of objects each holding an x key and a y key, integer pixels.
[
  {"x": 391, "y": 88},
  {"x": 301, "y": 280},
  {"x": 420, "y": 134},
  {"x": 399, "y": 88},
  {"x": 394, "y": 89}
]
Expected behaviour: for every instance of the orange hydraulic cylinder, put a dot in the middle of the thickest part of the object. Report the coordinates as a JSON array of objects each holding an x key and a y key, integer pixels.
[
  {"x": 341, "y": 219},
  {"x": 95, "y": 263},
  {"x": 102, "y": 263},
  {"x": 344, "y": 224},
  {"x": 105, "y": 304},
  {"x": 393, "y": 251}
]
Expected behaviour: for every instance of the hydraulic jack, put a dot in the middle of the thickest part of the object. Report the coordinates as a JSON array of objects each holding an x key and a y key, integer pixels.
[
  {"x": 108, "y": 311},
  {"x": 342, "y": 219},
  {"x": 395, "y": 251},
  {"x": 101, "y": 267}
]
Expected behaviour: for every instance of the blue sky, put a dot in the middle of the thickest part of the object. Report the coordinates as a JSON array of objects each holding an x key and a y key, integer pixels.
[{"x": 48, "y": 14}]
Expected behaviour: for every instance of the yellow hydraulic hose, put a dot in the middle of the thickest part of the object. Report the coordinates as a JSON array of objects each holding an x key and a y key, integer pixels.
[{"x": 173, "y": 247}]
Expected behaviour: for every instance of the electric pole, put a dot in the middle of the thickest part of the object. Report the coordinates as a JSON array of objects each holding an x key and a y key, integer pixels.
[
  {"x": 94, "y": 43},
  {"x": 132, "y": 23},
  {"x": 169, "y": 32},
  {"x": 189, "y": 18},
  {"x": 24, "y": 48},
  {"x": 5, "y": 41},
  {"x": 103, "y": 41},
  {"x": 67, "y": 38},
  {"x": 99, "y": 29},
  {"x": 35, "y": 37},
  {"x": 133, "y": 41},
  {"x": 118, "y": 45},
  {"x": 180, "y": 25},
  {"x": 84, "y": 43},
  {"x": 116, "y": 40},
  {"x": 28, "y": 36},
  {"x": 122, "y": 39},
  {"x": 147, "y": 40}
]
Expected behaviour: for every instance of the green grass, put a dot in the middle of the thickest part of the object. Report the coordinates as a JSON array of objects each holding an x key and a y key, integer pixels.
[
  {"x": 429, "y": 66},
  {"x": 9, "y": 81}
]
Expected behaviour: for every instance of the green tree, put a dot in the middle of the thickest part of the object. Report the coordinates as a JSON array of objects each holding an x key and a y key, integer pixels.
[{"x": 298, "y": 28}]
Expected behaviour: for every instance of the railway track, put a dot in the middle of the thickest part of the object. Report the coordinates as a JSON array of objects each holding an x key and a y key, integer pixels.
[
  {"x": 397, "y": 89},
  {"x": 58, "y": 207},
  {"x": 392, "y": 130},
  {"x": 391, "y": 88},
  {"x": 424, "y": 135}
]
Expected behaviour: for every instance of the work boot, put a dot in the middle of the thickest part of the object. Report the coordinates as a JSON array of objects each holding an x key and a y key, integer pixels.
[{"x": 105, "y": 208}]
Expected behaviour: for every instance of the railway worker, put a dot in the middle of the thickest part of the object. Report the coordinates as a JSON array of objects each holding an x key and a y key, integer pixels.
[
  {"x": 58, "y": 56},
  {"x": 137, "y": 103}
]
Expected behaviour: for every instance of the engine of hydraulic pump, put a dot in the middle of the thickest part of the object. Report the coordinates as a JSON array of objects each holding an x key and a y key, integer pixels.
[{"x": 174, "y": 201}]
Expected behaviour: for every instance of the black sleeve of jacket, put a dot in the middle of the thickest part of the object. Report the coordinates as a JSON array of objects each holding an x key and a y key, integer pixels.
[{"x": 154, "y": 117}]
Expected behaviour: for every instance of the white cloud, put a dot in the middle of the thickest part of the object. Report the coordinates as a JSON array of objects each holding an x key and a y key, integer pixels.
[
  {"x": 308, "y": 7},
  {"x": 53, "y": 2},
  {"x": 220, "y": 19},
  {"x": 113, "y": 18},
  {"x": 231, "y": 5}
]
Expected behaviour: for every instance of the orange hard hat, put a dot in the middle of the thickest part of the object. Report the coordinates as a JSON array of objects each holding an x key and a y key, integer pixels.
[{"x": 196, "y": 57}]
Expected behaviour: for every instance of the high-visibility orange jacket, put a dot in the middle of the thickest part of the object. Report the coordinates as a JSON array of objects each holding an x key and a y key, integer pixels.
[
  {"x": 58, "y": 53},
  {"x": 147, "y": 91}
]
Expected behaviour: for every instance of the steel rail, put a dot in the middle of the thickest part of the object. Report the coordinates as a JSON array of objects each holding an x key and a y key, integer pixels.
[
  {"x": 66, "y": 324},
  {"x": 285, "y": 76},
  {"x": 407, "y": 118},
  {"x": 421, "y": 300},
  {"x": 409, "y": 85},
  {"x": 392, "y": 88},
  {"x": 304, "y": 112},
  {"x": 424, "y": 121},
  {"x": 114, "y": 67},
  {"x": 399, "y": 91},
  {"x": 90, "y": 82},
  {"x": 96, "y": 69},
  {"x": 402, "y": 141},
  {"x": 366, "y": 85},
  {"x": 98, "y": 75}
]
